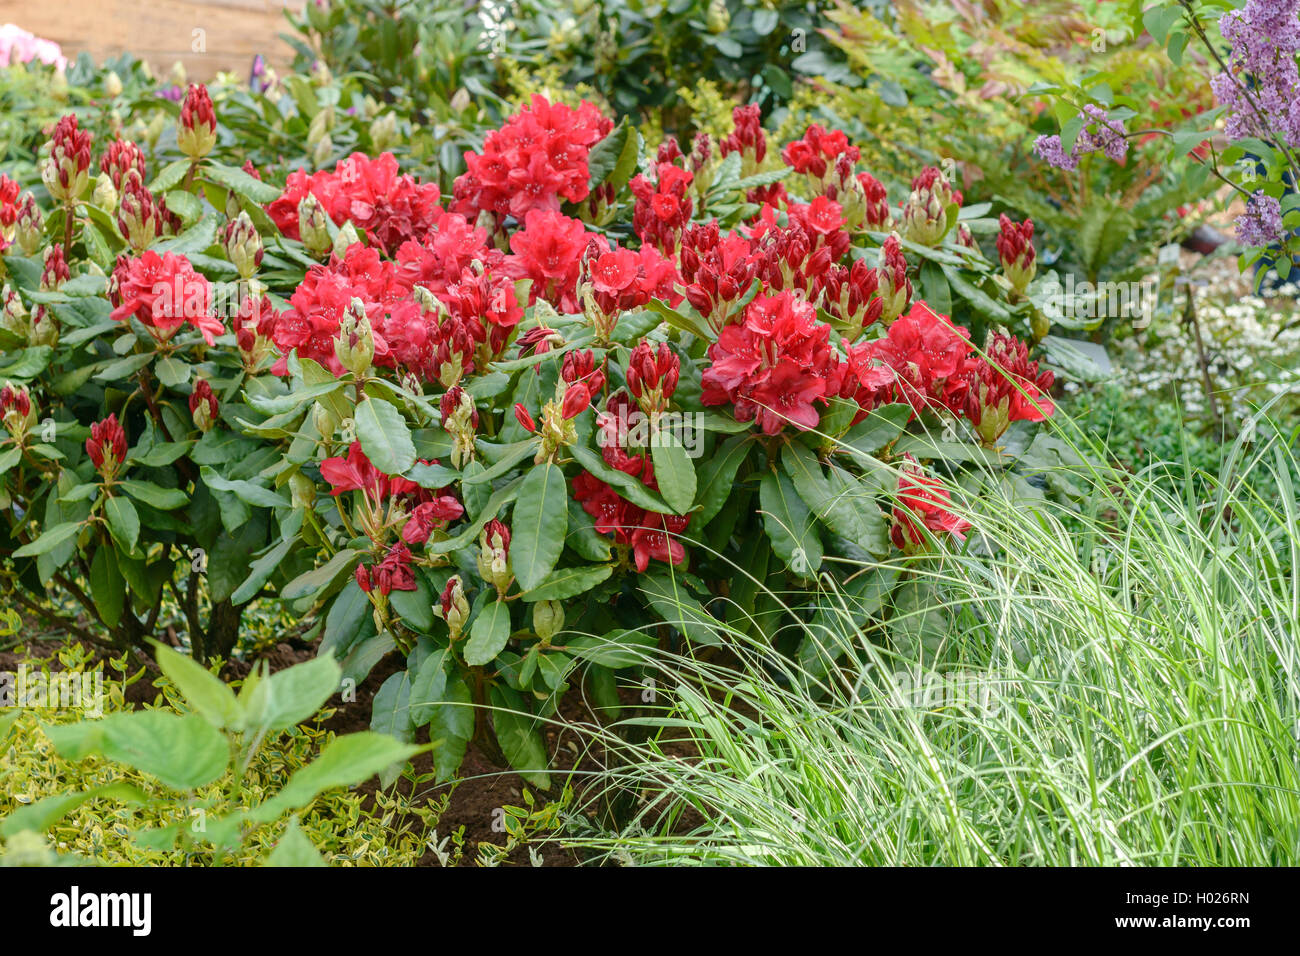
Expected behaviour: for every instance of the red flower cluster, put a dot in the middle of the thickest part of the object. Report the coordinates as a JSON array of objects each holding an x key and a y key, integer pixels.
[
  {"x": 662, "y": 208},
  {"x": 1016, "y": 250},
  {"x": 106, "y": 446},
  {"x": 927, "y": 355},
  {"x": 774, "y": 365},
  {"x": 393, "y": 573},
  {"x": 851, "y": 294},
  {"x": 652, "y": 375},
  {"x": 818, "y": 151},
  {"x": 922, "y": 502},
  {"x": 535, "y": 160},
  {"x": 370, "y": 193},
  {"x": 441, "y": 256},
  {"x": 549, "y": 251},
  {"x": 163, "y": 292},
  {"x": 717, "y": 270},
  {"x": 622, "y": 279},
  {"x": 1007, "y": 388},
  {"x": 650, "y": 535},
  {"x": 429, "y": 510}
]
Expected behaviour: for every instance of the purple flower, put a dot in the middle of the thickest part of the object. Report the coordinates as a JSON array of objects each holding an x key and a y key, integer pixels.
[
  {"x": 1101, "y": 134},
  {"x": 1261, "y": 90},
  {"x": 1261, "y": 224}
]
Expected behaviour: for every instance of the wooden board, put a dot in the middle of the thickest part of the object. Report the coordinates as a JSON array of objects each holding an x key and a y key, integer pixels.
[{"x": 207, "y": 36}]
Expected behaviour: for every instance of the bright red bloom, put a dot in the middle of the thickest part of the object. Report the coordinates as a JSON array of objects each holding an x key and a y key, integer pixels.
[
  {"x": 818, "y": 151},
  {"x": 106, "y": 446},
  {"x": 774, "y": 365},
  {"x": 663, "y": 208},
  {"x": 922, "y": 502},
  {"x": 549, "y": 251},
  {"x": 163, "y": 292},
  {"x": 372, "y": 194},
  {"x": 354, "y": 473},
  {"x": 429, "y": 515},
  {"x": 717, "y": 270},
  {"x": 536, "y": 159},
  {"x": 929, "y": 357},
  {"x": 651, "y": 536}
]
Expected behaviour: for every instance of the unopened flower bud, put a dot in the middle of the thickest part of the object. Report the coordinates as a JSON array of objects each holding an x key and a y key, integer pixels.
[
  {"x": 302, "y": 490},
  {"x": 203, "y": 406},
  {"x": 548, "y": 619},
  {"x": 355, "y": 345},
  {"x": 243, "y": 245},
  {"x": 346, "y": 239},
  {"x": 925, "y": 216},
  {"x": 895, "y": 288},
  {"x": 196, "y": 128},
  {"x": 29, "y": 225},
  {"x": 326, "y": 421},
  {"x": 105, "y": 195},
  {"x": 383, "y": 131},
  {"x": 44, "y": 328},
  {"x": 66, "y": 171},
  {"x": 313, "y": 225},
  {"x": 452, "y": 606},
  {"x": 1016, "y": 250},
  {"x": 112, "y": 85},
  {"x": 718, "y": 17},
  {"x": 494, "y": 555}
]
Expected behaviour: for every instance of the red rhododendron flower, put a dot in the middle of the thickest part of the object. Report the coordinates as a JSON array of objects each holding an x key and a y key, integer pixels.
[
  {"x": 537, "y": 159},
  {"x": 774, "y": 365},
  {"x": 922, "y": 502},
  {"x": 928, "y": 356},
  {"x": 372, "y": 194},
  {"x": 549, "y": 250},
  {"x": 163, "y": 292}
]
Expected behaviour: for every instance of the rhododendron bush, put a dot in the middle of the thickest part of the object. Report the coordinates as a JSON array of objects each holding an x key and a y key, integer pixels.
[{"x": 597, "y": 397}]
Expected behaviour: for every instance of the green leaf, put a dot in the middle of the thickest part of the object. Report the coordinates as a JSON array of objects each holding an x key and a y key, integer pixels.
[
  {"x": 789, "y": 524},
  {"x": 391, "y": 714},
  {"x": 44, "y": 813},
  {"x": 539, "y": 524},
  {"x": 450, "y": 728},
  {"x": 156, "y": 496},
  {"x": 50, "y": 539},
  {"x": 415, "y": 607},
  {"x": 240, "y": 183},
  {"x": 384, "y": 436},
  {"x": 881, "y": 426},
  {"x": 619, "y": 648},
  {"x": 123, "y": 522},
  {"x": 107, "y": 587},
  {"x": 294, "y": 849},
  {"x": 204, "y": 691},
  {"x": 245, "y": 491},
  {"x": 488, "y": 635},
  {"x": 288, "y": 697},
  {"x": 520, "y": 739},
  {"x": 673, "y": 471},
  {"x": 343, "y": 762},
  {"x": 185, "y": 752},
  {"x": 569, "y": 582},
  {"x": 124, "y": 367},
  {"x": 262, "y": 569},
  {"x": 718, "y": 476}
]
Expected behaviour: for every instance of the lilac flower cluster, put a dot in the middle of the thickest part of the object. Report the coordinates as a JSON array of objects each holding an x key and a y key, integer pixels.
[
  {"x": 1101, "y": 135},
  {"x": 1261, "y": 224},
  {"x": 1264, "y": 37}
]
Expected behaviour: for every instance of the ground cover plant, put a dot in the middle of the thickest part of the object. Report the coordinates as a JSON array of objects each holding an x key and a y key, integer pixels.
[{"x": 502, "y": 395}]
